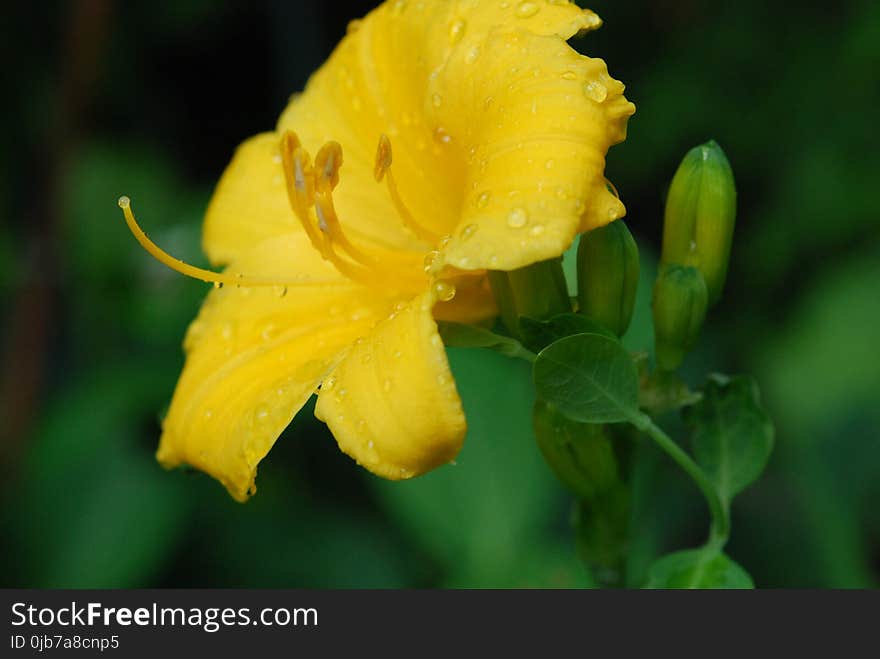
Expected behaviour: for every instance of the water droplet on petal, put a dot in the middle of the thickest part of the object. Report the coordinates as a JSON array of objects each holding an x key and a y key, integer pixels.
[
  {"x": 526, "y": 8},
  {"x": 469, "y": 231},
  {"x": 517, "y": 218},
  {"x": 329, "y": 383},
  {"x": 472, "y": 55},
  {"x": 537, "y": 230},
  {"x": 456, "y": 31},
  {"x": 483, "y": 200},
  {"x": 432, "y": 260},
  {"x": 441, "y": 136},
  {"x": 596, "y": 91},
  {"x": 444, "y": 291},
  {"x": 569, "y": 75},
  {"x": 549, "y": 164},
  {"x": 436, "y": 100}
]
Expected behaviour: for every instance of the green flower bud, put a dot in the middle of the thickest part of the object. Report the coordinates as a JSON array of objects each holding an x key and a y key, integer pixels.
[
  {"x": 580, "y": 454},
  {"x": 679, "y": 306},
  {"x": 700, "y": 215},
  {"x": 537, "y": 291},
  {"x": 608, "y": 275}
]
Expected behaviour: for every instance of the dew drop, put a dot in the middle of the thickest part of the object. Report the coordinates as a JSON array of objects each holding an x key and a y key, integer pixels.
[
  {"x": 549, "y": 164},
  {"x": 367, "y": 358},
  {"x": 262, "y": 414},
  {"x": 569, "y": 75},
  {"x": 469, "y": 231},
  {"x": 398, "y": 354},
  {"x": 537, "y": 230},
  {"x": 432, "y": 259},
  {"x": 444, "y": 241},
  {"x": 227, "y": 331},
  {"x": 517, "y": 218},
  {"x": 526, "y": 8},
  {"x": 386, "y": 385},
  {"x": 472, "y": 55},
  {"x": 444, "y": 291},
  {"x": 456, "y": 31},
  {"x": 208, "y": 413},
  {"x": 436, "y": 100},
  {"x": 441, "y": 136},
  {"x": 361, "y": 424},
  {"x": 596, "y": 91},
  {"x": 370, "y": 444},
  {"x": 329, "y": 383},
  {"x": 483, "y": 200}
]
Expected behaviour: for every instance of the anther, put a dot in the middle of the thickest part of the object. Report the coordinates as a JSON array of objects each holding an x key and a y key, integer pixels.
[
  {"x": 327, "y": 164},
  {"x": 383, "y": 158}
]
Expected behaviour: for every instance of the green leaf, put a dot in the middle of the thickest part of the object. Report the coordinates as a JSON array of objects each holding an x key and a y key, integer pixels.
[
  {"x": 590, "y": 378},
  {"x": 732, "y": 434},
  {"x": 538, "y": 334},
  {"x": 706, "y": 567},
  {"x": 457, "y": 335}
]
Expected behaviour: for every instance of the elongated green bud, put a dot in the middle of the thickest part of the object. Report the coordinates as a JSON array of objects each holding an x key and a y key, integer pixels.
[
  {"x": 537, "y": 291},
  {"x": 580, "y": 454},
  {"x": 679, "y": 306},
  {"x": 700, "y": 215},
  {"x": 608, "y": 275}
]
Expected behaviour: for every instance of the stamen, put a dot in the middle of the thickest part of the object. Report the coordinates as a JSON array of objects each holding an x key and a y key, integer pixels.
[
  {"x": 217, "y": 278},
  {"x": 327, "y": 164},
  {"x": 330, "y": 224},
  {"x": 382, "y": 169},
  {"x": 383, "y": 158},
  {"x": 300, "y": 179}
]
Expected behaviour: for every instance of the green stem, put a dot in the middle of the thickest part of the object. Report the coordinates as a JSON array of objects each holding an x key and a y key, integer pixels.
[{"x": 720, "y": 529}]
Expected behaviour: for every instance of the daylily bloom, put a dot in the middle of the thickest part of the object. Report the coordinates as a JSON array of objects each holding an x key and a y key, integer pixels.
[{"x": 474, "y": 138}]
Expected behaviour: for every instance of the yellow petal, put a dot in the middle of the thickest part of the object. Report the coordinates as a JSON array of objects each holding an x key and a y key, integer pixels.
[
  {"x": 495, "y": 122},
  {"x": 392, "y": 403},
  {"x": 539, "y": 118},
  {"x": 250, "y": 202},
  {"x": 255, "y": 355}
]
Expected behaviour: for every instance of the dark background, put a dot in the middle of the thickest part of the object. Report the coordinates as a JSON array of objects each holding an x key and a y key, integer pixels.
[{"x": 150, "y": 99}]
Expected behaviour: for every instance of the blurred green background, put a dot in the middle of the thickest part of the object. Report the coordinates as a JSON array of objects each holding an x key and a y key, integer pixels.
[{"x": 150, "y": 99}]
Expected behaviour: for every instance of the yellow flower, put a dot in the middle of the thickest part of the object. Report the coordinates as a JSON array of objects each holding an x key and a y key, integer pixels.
[{"x": 474, "y": 138}]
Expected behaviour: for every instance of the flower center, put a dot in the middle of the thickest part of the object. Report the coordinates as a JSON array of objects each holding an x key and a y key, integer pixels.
[{"x": 311, "y": 185}]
